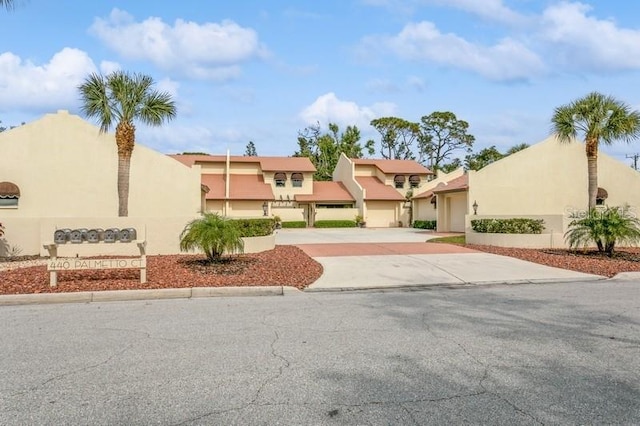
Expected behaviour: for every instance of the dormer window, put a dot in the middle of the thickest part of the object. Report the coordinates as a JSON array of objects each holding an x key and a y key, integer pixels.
[
  {"x": 9, "y": 194},
  {"x": 280, "y": 178},
  {"x": 398, "y": 180},
  {"x": 296, "y": 180},
  {"x": 414, "y": 181}
]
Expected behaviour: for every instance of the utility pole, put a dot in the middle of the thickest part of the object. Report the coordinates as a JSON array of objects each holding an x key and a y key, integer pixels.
[{"x": 635, "y": 160}]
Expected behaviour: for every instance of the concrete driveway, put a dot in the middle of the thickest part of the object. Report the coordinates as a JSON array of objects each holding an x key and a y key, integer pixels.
[{"x": 368, "y": 258}]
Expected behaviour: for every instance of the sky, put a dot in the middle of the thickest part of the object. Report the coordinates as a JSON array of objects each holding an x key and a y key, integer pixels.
[{"x": 261, "y": 71}]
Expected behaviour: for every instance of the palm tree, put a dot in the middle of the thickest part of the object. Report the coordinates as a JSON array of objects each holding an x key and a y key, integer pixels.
[
  {"x": 212, "y": 234},
  {"x": 599, "y": 118},
  {"x": 121, "y": 98}
]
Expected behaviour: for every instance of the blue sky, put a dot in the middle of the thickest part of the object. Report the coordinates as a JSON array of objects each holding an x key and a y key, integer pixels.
[{"x": 263, "y": 70}]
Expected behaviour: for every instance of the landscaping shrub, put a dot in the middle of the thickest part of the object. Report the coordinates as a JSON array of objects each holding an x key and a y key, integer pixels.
[
  {"x": 508, "y": 226},
  {"x": 294, "y": 224},
  {"x": 214, "y": 235},
  {"x": 605, "y": 228},
  {"x": 335, "y": 224},
  {"x": 425, "y": 224},
  {"x": 254, "y": 227}
]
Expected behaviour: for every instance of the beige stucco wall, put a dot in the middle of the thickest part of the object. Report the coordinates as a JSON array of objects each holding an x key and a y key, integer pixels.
[
  {"x": 215, "y": 206},
  {"x": 452, "y": 208},
  {"x": 289, "y": 214},
  {"x": 245, "y": 209},
  {"x": 382, "y": 214},
  {"x": 549, "y": 178},
  {"x": 344, "y": 172},
  {"x": 336, "y": 214},
  {"x": 67, "y": 170},
  {"x": 423, "y": 208}
]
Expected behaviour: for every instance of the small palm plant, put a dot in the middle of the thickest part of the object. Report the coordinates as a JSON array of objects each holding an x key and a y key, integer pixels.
[
  {"x": 605, "y": 228},
  {"x": 214, "y": 235}
]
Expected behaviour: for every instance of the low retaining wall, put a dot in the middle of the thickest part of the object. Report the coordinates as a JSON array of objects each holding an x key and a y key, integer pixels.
[
  {"x": 551, "y": 240},
  {"x": 259, "y": 244}
]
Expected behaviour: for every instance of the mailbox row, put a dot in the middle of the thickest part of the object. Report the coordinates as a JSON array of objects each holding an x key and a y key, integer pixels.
[{"x": 110, "y": 235}]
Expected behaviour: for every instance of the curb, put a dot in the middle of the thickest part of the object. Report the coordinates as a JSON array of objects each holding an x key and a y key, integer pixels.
[
  {"x": 151, "y": 294},
  {"x": 450, "y": 285}
]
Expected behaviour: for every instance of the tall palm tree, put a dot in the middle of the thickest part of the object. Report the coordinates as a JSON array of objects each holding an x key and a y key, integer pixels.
[
  {"x": 598, "y": 118},
  {"x": 121, "y": 98}
]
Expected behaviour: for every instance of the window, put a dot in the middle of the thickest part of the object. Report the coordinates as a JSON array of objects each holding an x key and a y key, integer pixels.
[
  {"x": 9, "y": 194},
  {"x": 601, "y": 196},
  {"x": 399, "y": 181},
  {"x": 414, "y": 181},
  {"x": 296, "y": 180},
  {"x": 280, "y": 178}
]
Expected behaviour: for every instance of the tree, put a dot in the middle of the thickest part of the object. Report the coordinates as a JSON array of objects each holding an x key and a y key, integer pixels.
[
  {"x": 214, "y": 235},
  {"x": 398, "y": 136},
  {"x": 606, "y": 228},
  {"x": 123, "y": 98},
  {"x": 250, "y": 150},
  {"x": 324, "y": 149},
  {"x": 516, "y": 148},
  {"x": 598, "y": 118},
  {"x": 442, "y": 133},
  {"x": 7, "y": 4},
  {"x": 454, "y": 164},
  {"x": 482, "y": 158}
]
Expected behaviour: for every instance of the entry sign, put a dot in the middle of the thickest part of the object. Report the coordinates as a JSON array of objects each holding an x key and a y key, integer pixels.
[{"x": 73, "y": 264}]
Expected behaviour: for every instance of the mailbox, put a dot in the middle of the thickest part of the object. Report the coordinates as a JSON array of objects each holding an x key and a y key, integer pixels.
[
  {"x": 77, "y": 235},
  {"x": 94, "y": 235},
  {"x": 126, "y": 235},
  {"x": 61, "y": 236},
  {"x": 110, "y": 235}
]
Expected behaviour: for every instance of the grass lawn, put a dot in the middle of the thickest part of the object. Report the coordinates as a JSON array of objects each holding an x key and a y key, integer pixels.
[{"x": 457, "y": 239}]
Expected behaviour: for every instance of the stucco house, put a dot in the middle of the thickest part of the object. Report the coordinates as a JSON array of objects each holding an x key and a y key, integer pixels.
[
  {"x": 382, "y": 188},
  {"x": 546, "y": 181},
  {"x": 60, "y": 172}
]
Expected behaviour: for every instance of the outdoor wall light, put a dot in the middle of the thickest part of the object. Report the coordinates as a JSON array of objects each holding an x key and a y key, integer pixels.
[
  {"x": 475, "y": 207},
  {"x": 265, "y": 208}
]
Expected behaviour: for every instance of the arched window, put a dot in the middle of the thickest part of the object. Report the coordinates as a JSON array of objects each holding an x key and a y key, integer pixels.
[
  {"x": 296, "y": 180},
  {"x": 601, "y": 196},
  {"x": 9, "y": 194},
  {"x": 414, "y": 181},
  {"x": 280, "y": 178},
  {"x": 399, "y": 181}
]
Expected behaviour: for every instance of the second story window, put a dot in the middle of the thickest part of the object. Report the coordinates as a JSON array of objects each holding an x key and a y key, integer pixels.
[
  {"x": 414, "y": 181},
  {"x": 296, "y": 180},
  {"x": 280, "y": 178},
  {"x": 398, "y": 180}
]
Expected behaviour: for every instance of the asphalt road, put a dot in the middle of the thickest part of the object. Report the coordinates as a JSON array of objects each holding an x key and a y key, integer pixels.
[{"x": 528, "y": 354}]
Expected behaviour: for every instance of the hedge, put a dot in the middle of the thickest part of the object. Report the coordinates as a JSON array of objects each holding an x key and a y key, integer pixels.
[
  {"x": 294, "y": 224},
  {"x": 425, "y": 224},
  {"x": 254, "y": 227},
  {"x": 335, "y": 224},
  {"x": 508, "y": 226}
]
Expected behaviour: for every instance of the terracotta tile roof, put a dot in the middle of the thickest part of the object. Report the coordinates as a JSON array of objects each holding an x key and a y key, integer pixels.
[
  {"x": 460, "y": 183},
  {"x": 326, "y": 191},
  {"x": 267, "y": 164},
  {"x": 425, "y": 195},
  {"x": 376, "y": 190},
  {"x": 241, "y": 187},
  {"x": 394, "y": 166}
]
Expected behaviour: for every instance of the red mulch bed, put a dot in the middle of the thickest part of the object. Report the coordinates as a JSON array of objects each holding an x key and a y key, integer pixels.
[
  {"x": 284, "y": 265},
  {"x": 589, "y": 262}
]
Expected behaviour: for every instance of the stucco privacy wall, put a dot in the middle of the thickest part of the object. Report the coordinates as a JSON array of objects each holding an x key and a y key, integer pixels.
[
  {"x": 65, "y": 168},
  {"x": 549, "y": 178},
  {"x": 345, "y": 173}
]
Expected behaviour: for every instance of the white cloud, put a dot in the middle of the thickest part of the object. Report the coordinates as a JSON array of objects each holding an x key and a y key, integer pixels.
[
  {"x": 382, "y": 86},
  {"x": 329, "y": 109},
  {"x": 504, "y": 61},
  {"x": 26, "y": 86},
  {"x": 578, "y": 40},
  {"x": 416, "y": 83},
  {"x": 204, "y": 51},
  {"x": 107, "y": 67}
]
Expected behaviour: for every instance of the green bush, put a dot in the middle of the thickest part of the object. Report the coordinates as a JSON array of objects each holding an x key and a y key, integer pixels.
[
  {"x": 425, "y": 224},
  {"x": 254, "y": 227},
  {"x": 605, "y": 228},
  {"x": 335, "y": 224},
  {"x": 214, "y": 235},
  {"x": 294, "y": 224},
  {"x": 508, "y": 226}
]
